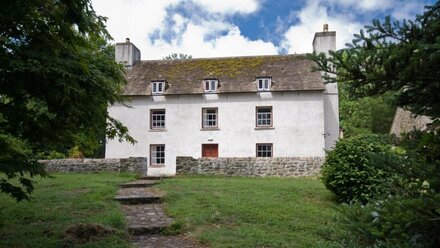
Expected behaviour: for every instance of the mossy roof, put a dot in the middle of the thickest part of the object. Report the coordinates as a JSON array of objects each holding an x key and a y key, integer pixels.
[{"x": 235, "y": 74}]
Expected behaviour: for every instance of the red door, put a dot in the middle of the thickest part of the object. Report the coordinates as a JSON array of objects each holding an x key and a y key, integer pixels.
[{"x": 209, "y": 150}]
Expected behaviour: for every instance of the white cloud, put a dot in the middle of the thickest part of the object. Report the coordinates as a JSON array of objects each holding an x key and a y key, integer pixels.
[
  {"x": 365, "y": 5},
  {"x": 229, "y": 6},
  {"x": 208, "y": 37},
  {"x": 299, "y": 37}
]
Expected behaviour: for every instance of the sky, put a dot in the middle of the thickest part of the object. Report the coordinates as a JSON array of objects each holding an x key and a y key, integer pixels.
[{"x": 219, "y": 28}]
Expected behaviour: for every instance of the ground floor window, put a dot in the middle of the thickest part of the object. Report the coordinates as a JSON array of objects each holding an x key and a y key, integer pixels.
[
  {"x": 264, "y": 150},
  {"x": 157, "y": 155}
]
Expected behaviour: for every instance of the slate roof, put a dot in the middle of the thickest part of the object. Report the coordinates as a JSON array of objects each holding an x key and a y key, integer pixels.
[{"x": 235, "y": 74}]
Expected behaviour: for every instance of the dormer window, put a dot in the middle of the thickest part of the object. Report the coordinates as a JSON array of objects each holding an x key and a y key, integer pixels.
[
  {"x": 157, "y": 87},
  {"x": 210, "y": 85},
  {"x": 264, "y": 83}
]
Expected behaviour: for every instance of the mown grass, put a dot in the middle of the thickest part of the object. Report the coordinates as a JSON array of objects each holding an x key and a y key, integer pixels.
[
  {"x": 60, "y": 202},
  {"x": 253, "y": 212}
]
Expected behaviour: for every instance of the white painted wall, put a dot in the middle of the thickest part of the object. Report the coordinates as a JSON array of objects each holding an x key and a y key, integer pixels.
[
  {"x": 324, "y": 42},
  {"x": 298, "y": 121}
]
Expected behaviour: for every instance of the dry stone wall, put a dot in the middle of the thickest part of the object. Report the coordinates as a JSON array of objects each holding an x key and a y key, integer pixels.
[
  {"x": 87, "y": 165},
  {"x": 259, "y": 167}
]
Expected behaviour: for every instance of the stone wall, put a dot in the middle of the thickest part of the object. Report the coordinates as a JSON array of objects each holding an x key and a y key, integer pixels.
[
  {"x": 260, "y": 167},
  {"x": 87, "y": 165}
]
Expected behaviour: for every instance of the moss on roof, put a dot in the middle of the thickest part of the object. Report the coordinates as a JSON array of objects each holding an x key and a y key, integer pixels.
[{"x": 236, "y": 74}]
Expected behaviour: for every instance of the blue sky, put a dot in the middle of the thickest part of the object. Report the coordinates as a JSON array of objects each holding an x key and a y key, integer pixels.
[{"x": 216, "y": 28}]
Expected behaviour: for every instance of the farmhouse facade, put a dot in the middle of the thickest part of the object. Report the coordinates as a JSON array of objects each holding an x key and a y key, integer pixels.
[{"x": 257, "y": 106}]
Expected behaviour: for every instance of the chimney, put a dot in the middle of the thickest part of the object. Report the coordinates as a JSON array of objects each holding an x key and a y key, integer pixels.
[
  {"x": 324, "y": 41},
  {"x": 127, "y": 53}
]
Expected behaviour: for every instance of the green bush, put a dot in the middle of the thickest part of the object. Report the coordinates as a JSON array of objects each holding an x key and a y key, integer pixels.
[
  {"x": 354, "y": 170},
  {"x": 395, "y": 222}
]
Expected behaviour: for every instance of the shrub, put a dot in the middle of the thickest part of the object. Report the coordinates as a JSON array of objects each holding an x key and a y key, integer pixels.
[
  {"x": 354, "y": 170},
  {"x": 395, "y": 222}
]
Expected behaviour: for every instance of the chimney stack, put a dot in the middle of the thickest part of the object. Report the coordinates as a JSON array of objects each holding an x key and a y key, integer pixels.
[
  {"x": 324, "y": 41},
  {"x": 127, "y": 53}
]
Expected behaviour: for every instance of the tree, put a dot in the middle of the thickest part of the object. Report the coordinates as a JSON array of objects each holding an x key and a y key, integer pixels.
[
  {"x": 392, "y": 56},
  {"x": 175, "y": 56},
  {"x": 57, "y": 77}
]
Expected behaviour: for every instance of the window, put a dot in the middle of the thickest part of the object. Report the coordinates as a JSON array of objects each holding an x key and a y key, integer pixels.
[
  {"x": 209, "y": 117},
  {"x": 157, "y": 119},
  {"x": 210, "y": 85},
  {"x": 264, "y": 116},
  {"x": 264, "y": 83},
  {"x": 264, "y": 150},
  {"x": 158, "y": 87},
  {"x": 157, "y": 155}
]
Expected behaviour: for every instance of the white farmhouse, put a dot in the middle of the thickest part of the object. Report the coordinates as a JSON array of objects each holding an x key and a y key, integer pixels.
[{"x": 258, "y": 106}]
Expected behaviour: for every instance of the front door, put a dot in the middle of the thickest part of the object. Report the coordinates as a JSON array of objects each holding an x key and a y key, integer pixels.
[{"x": 209, "y": 150}]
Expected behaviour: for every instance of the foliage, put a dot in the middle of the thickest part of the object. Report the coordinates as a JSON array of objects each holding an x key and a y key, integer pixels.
[
  {"x": 368, "y": 115},
  {"x": 252, "y": 212},
  {"x": 352, "y": 172},
  {"x": 64, "y": 201},
  {"x": 397, "y": 221},
  {"x": 58, "y": 76},
  {"x": 175, "y": 56},
  {"x": 403, "y": 57},
  {"x": 410, "y": 215}
]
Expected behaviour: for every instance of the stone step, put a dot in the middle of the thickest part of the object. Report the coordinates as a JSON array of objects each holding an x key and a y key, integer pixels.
[
  {"x": 154, "y": 177},
  {"x": 139, "y": 183},
  {"x": 138, "y": 195},
  {"x": 154, "y": 241},
  {"x": 146, "y": 218}
]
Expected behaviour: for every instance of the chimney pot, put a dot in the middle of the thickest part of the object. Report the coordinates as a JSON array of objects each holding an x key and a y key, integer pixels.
[
  {"x": 127, "y": 40},
  {"x": 325, "y": 28}
]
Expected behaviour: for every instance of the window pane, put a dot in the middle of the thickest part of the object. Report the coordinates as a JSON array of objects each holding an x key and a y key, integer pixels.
[
  {"x": 260, "y": 84},
  {"x": 207, "y": 85},
  {"x": 154, "y": 87},
  {"x": 213, "y": 85}
]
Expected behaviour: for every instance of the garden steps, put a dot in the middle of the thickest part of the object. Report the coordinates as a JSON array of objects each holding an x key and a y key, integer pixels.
[
  {"x": 139, "y": 183},
  {"x": 139, "y": 195},
  {"x": 145, "y": 216}
]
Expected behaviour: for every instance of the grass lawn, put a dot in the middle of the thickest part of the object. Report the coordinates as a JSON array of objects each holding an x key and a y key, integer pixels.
[
  {"x": 61, "y": 202},
  {"x": 252, "y": 212}
]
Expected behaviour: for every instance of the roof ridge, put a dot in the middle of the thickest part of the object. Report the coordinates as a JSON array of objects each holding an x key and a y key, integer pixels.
[{"x": 226, "y": 57}]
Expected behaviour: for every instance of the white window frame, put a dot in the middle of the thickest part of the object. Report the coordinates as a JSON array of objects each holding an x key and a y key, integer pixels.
[
  {"x": 206, "y": 121},
  {"x": 157, "y": 120},
  {"x": 210, "y": 85},
  {"x": 263, "y": 117},
  {"x": 264, "y": 150},
  {"x": 264, "y": 83},
  {"x": 157, "y": 87},
  {"x": 157, "y": 155}
]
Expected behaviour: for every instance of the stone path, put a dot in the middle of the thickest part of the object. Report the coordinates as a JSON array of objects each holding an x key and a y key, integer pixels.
[{"x": 145, "y": 216}]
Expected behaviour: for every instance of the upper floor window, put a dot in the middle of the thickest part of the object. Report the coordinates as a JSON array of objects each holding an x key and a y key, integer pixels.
[
  {"x": 157, "y": 119},
  {"x": 210, "y": 85},
  {"x": 209, "y": 118},
  {"x": 264, "y": 117},
  {"x": 157, "y": 87},
  {"x": 264, "y": 83}
]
